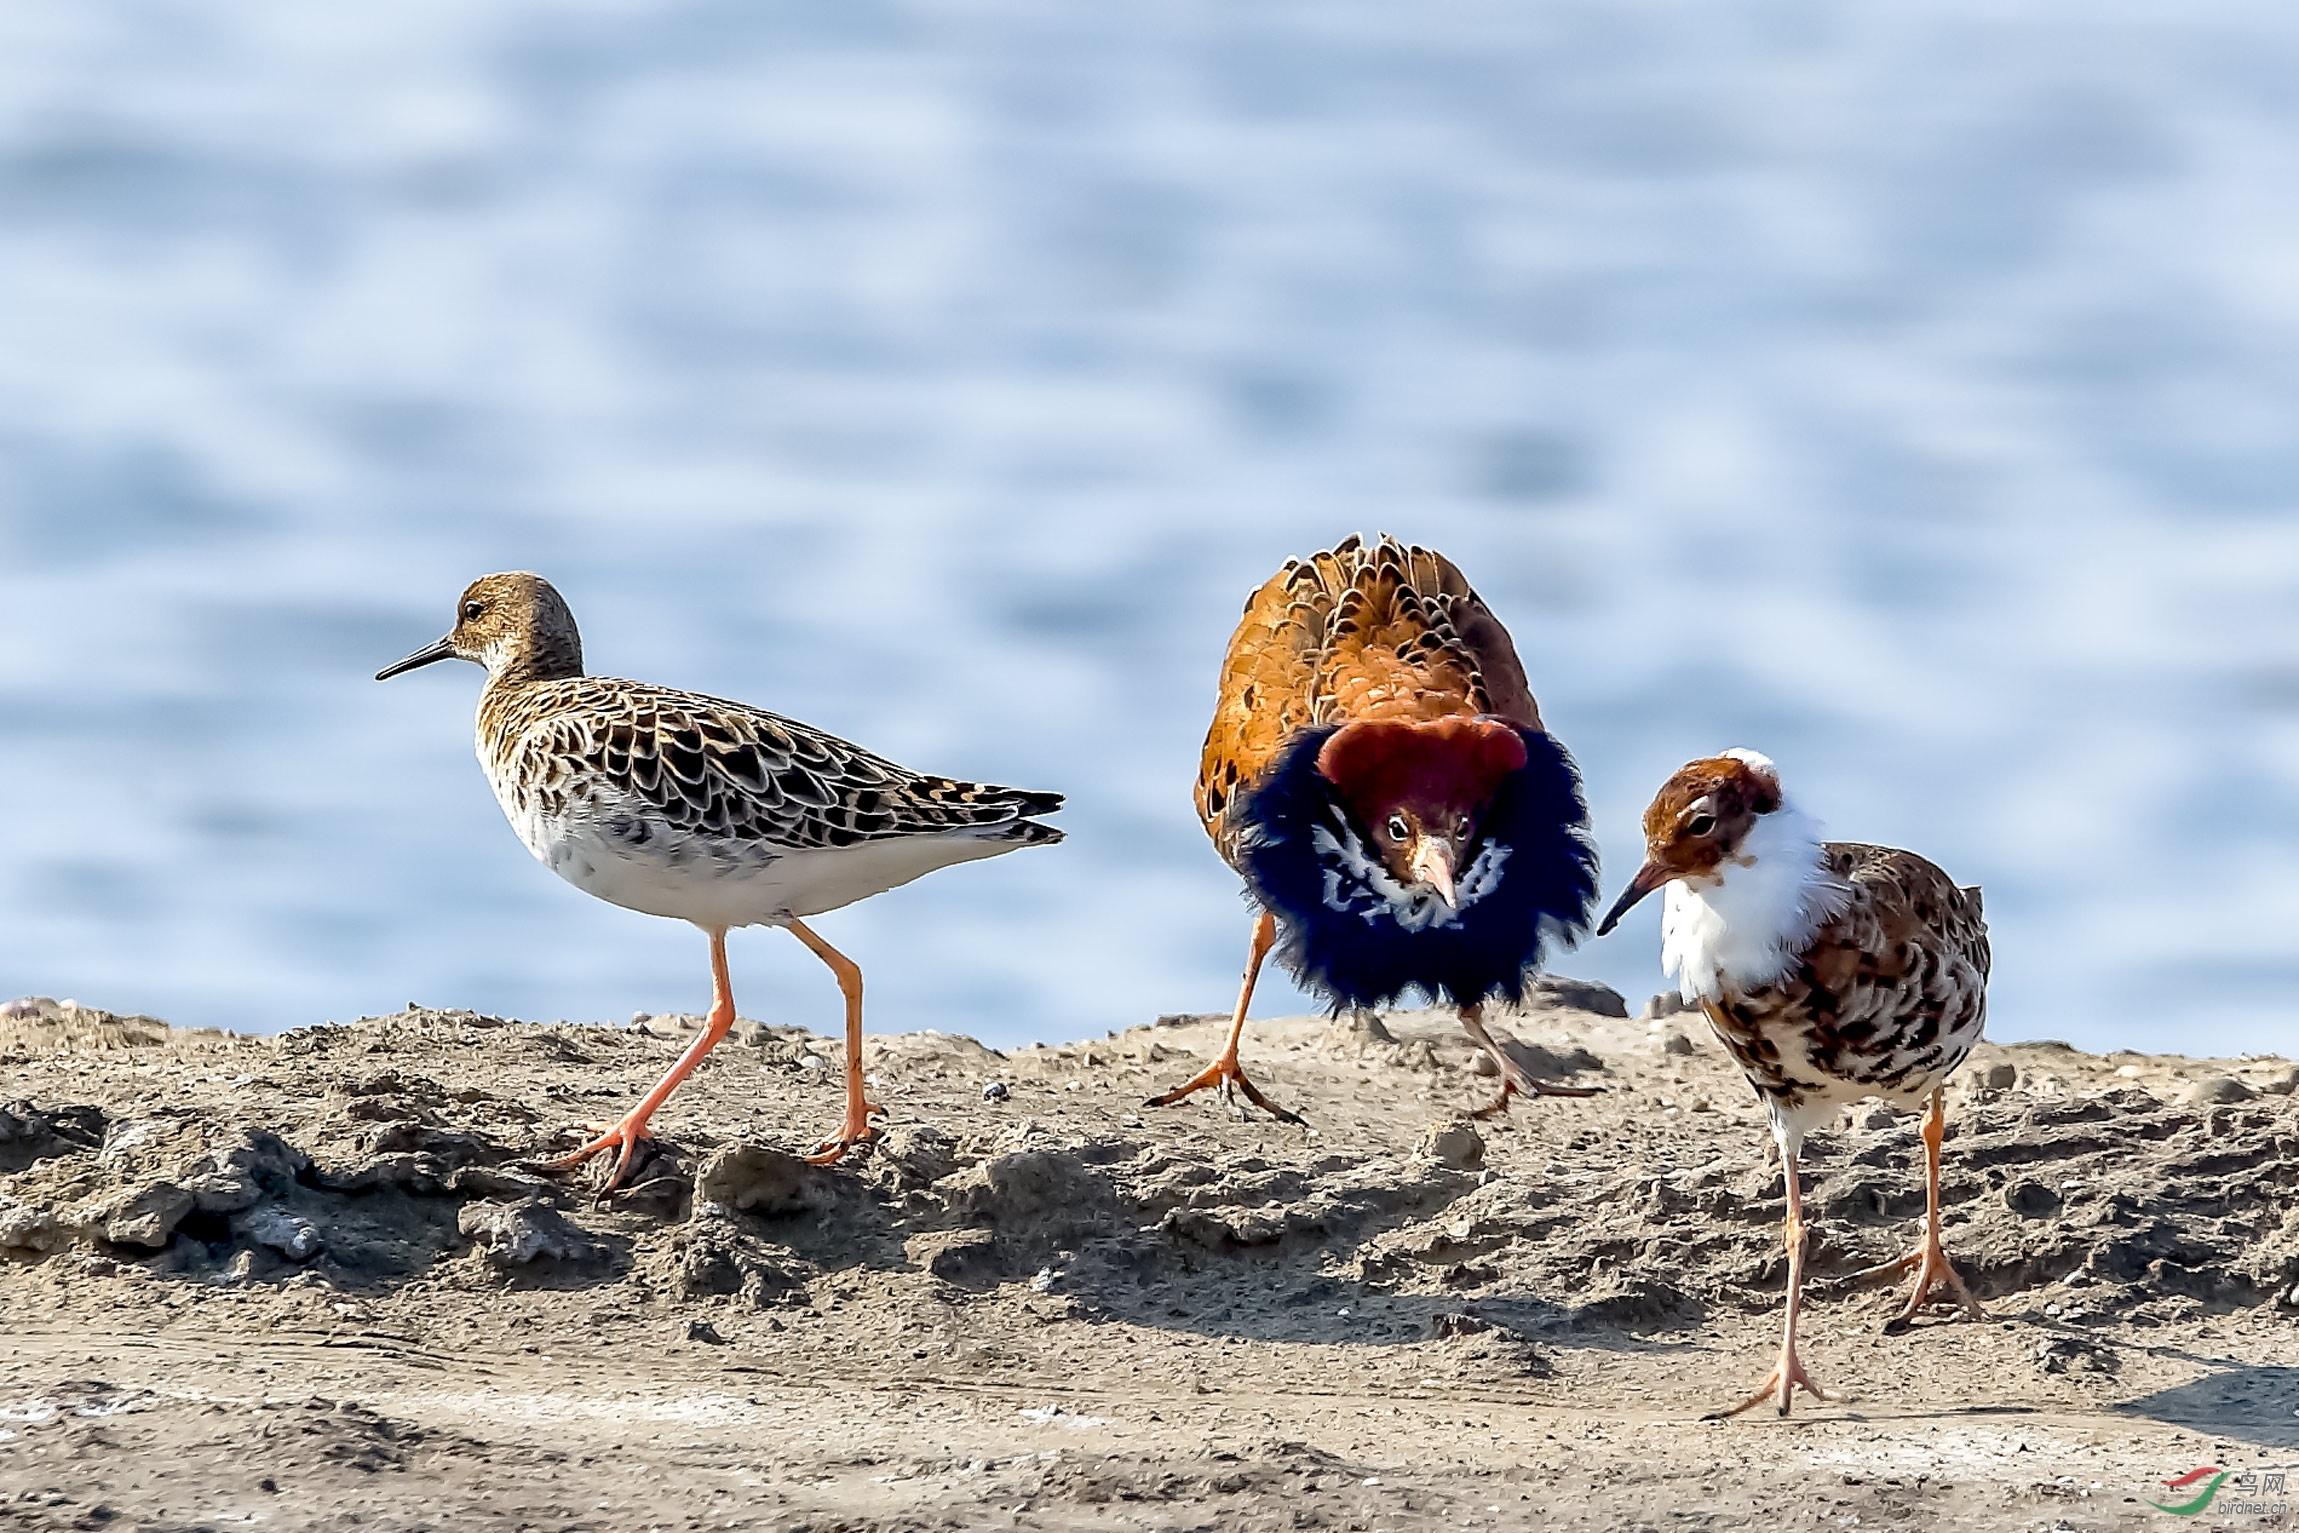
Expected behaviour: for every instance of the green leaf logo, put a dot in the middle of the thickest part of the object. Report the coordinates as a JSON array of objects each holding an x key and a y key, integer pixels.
[{"x": 2212, "y": 1473}]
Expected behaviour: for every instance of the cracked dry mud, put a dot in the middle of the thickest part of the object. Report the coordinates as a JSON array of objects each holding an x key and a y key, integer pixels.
[{"x": 311, "y": 1282}]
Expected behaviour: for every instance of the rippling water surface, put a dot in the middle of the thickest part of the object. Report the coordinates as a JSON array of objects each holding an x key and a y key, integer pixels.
[{"x": 1909, "y": 392}]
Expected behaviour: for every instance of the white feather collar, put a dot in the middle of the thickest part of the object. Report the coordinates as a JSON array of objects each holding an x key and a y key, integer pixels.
[
  {"x": 1745, "y": 925},
  {"x": 1347, "y": 863}
]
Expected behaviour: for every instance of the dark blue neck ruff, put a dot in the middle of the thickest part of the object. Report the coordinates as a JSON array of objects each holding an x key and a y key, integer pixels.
[{"x": 1342, "y": 938}]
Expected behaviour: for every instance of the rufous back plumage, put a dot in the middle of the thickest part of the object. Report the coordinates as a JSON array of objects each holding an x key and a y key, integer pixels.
[{"x": 1379, "y": 631}]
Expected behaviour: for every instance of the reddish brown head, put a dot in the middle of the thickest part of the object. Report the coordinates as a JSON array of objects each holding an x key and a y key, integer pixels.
[
  {"x": 1420, "y": 789},
  {"x": 1698, "y": 820}
]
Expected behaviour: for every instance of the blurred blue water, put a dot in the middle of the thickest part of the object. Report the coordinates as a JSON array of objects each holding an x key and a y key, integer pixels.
[{"x": 1908, "y": 391}]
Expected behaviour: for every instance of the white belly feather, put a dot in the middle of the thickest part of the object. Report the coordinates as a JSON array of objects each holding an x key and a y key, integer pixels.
[{"x": 720, "y": 883}]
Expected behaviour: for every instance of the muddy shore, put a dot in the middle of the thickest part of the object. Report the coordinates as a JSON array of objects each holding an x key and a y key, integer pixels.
[{"x": 309, "y": 1282}]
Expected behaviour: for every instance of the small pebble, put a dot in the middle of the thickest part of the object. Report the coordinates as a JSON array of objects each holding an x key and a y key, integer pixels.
[{"x": 996, "y": 1091}]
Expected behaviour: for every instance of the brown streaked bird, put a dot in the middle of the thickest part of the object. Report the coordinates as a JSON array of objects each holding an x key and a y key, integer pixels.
[
  {"x": 1378, "y": 774},
  {"x": 1830, "y": 971},
  {"x": 705, "y": 810}
]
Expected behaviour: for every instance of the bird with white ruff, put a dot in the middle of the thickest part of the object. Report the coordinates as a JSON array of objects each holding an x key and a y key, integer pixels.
[
  {"x": 703, "y": 810},
  {"x": 1830, "y": 971}
]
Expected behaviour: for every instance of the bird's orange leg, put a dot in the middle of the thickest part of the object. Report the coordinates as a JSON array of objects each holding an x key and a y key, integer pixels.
[
  {"x": 1787, "y": 1375},
  {"x": 1928, "y": 1261},
  {"x": 1513, "y": 1077},
  {"x": 1225, "y": 1071},
  {"x": 857, "y": 1129},
  {"x": 627, "y": 1135}
]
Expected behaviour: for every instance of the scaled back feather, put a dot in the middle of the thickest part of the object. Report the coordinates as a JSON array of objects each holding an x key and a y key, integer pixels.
[{"x": 1359, "y": 632}]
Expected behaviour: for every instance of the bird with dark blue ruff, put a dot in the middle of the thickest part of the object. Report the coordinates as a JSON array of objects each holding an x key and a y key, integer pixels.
[{"x": 1378, "y": 774}]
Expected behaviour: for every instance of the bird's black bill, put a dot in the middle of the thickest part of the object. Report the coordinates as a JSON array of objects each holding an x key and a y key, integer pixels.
[
  {"x": 1648, "y": 878},
  {"x": 441, "y": 650}
]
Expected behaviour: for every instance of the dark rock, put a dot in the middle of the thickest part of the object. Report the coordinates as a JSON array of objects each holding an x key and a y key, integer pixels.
[
  {"x": 141, "y": 1216},
  {"x": 1032, "y": 1191},
  {"x": 911, "y": 1156},
  {"x": 713, "y": 1257},
  {"x": 968, "y": 1258},
  {"x": 29, "y": 1134},
  {"x": 280, "y": 1230},
  {"x": 1581, "y": 995},
  {"x": 756, "y": 1179},
  {"x": 238, "y": 1176},
  {"x": 503, "y": 1183},
  {"x": 2076, "y": 1354},
  {"x": 521, "y": 1234},
  {"x": 1456, "y": 1143},
  {"x": 25, "y": 1228}
]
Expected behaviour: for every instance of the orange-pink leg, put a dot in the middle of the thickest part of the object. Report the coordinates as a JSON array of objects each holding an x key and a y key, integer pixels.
[
  {"x": 1787, "y": 1375},
  {"x": 1225, "y": 1071},
  {"x": 857, "y": 1129},
  {"x": 626, "y": 1136},
  {"x": 1514, "y": 1080},
  {"x": 1928, "y": 1261}
]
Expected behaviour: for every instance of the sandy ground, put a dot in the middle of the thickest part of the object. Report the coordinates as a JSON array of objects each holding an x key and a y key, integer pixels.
[{"x": 306, "y": 1282}]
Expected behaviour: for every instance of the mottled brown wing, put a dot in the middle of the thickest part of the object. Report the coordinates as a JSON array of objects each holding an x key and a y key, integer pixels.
[
  {"x": 1916, "y": 910},
  {"x": 1356, "y": 632},
  {"x": 1892, "y": 993},
  {"x": 1269, "y": 683},
  {"x": 1896, "y": 988},
  {"x": 1494, "y": 654},
  {"x": 712, "y": 767}
]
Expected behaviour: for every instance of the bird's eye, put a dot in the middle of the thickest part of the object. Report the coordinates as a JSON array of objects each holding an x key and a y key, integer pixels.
[
  {"x": 1398, "y": 829},
  {"x": 472, "y": 609},
  {"x": 1700, "y": 824},
  {"x": 1461, "y": 828}
]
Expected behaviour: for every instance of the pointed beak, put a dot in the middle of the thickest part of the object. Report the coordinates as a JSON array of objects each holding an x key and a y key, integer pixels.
[
  {"x": 443, "y": 649},
  {"x": 1648, "y": 878},
  {"x": 1433, "y": 865}
]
